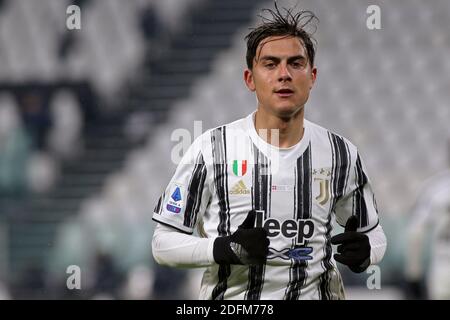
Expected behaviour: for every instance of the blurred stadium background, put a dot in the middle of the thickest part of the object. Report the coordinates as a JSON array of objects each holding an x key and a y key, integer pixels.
[{"x": 86, "y": 118}]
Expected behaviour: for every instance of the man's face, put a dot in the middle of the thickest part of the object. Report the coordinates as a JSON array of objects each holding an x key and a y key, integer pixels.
[{"x": 282, "y": 76}]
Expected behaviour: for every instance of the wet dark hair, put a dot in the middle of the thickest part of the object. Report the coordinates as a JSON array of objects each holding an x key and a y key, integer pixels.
[{"x": 279, "y": 24}]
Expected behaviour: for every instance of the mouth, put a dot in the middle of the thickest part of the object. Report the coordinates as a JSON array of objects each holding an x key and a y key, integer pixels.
[{"x": 284, "y": 92}]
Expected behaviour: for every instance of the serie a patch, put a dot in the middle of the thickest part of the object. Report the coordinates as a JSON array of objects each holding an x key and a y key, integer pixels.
[{"x": 176, "y": 200}]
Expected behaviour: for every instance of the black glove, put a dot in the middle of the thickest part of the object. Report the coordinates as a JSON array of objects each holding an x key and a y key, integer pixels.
[
  {"x": 247, "y": 246},
  {"x": 354, "y": 247}
]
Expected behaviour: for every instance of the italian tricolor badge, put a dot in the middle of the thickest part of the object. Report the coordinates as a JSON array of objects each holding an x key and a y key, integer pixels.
[{"x": 239, "y": 167}]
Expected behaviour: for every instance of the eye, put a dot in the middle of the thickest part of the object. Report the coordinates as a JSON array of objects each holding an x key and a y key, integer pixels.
[
  {"x": 296, "y": 65},
  {"x": 270, "y": 65}
]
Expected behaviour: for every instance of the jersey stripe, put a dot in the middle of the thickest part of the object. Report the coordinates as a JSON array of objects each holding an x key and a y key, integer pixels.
[
  {"x": 218, "y": 143},
  {"x": 304, "y": 180},
  {"x": 261, "y": 192},
  {"x": 195, "y": 189},
  {"x": 342, "y": 167},
  {"x": 359, "y": 203},
  {"x": 341, "y": 162},
  {"x": 324, "y": 286},
  {"x": 159, "y": 205},
  {"x": 303, "y": 200}
]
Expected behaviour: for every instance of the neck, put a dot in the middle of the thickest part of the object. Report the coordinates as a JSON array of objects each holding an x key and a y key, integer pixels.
[{"x": 279, "y": 131}]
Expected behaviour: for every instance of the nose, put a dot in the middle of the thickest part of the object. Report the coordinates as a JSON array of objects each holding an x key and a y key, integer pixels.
[{"x": 284, "y": 73}]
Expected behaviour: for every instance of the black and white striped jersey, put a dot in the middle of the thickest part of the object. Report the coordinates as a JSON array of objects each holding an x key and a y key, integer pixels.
[
  {"x": 297, "y": 193},
  {"x": 432, "y": 209},
  {"x": 430, "y": 225}
]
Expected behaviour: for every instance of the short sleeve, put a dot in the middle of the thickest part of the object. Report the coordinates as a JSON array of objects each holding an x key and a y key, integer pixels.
[
  {"x": 359, "y": 199},
  {"x": 187, "y": 195}
]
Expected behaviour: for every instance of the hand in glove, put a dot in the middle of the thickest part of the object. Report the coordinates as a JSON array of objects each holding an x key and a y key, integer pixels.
[
  {"x": 247, "y": 246},
  {"x": 353, "y": 247}
]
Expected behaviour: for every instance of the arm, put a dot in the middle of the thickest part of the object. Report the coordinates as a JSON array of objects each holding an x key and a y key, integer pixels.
[
  {"x": 363, "y": 242},
  {"x": 248, "y": 245},
  {"x": 358, "y": 250},
  {"x": 182, "y": 203},
  {"x": 414, "y": 269},
  {"x": 176, "y": 249},
  {"x": 420, "y": 220},
  {"x": 414, "y": 249},
  {"x": 415, "y": 238},
  {"x": 180, "y": 207},
  {"x": 377, "y": 240},
  {"x": 186, "y": 197}
]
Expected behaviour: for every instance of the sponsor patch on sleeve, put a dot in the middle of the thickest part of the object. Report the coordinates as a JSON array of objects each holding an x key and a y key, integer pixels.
[{"x": 176, "y": 199}]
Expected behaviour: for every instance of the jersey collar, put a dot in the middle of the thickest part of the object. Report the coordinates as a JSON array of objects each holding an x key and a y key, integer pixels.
[{"x": 271, "y": 151}]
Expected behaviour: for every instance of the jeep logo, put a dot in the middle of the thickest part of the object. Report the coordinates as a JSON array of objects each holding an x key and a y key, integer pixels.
[{"x": 300, "y": 229}]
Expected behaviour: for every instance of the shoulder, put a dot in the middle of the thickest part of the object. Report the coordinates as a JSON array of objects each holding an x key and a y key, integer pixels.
[
  {"x": 236, "y": 125},
  {"x": 436, "y": 183},
  {"x": 204, "y": 143},
  {"x": 226, "y": 134},
  {"x": 434, "y": 190},
  {"x": 205, "y": 138},
  {"x": 331, "y": 138}
]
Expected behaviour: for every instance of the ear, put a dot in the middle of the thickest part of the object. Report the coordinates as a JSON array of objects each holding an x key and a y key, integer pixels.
[
  {"x": 249, "y": 81},
  {"x": 313, "y": 76}
]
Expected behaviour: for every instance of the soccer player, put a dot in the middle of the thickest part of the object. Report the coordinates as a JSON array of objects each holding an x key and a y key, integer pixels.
[
  {"x": 263, "y": 191},
  {"x": 430, "y": 224}
]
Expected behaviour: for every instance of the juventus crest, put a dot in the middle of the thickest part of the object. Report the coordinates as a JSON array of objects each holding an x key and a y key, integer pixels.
[{"x": 322, "y": 177}]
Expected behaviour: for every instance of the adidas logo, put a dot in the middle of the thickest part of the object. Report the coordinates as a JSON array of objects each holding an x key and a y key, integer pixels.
[{"x": 239, "y": 188}]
